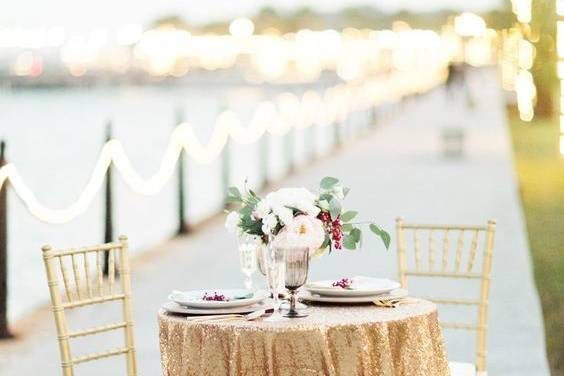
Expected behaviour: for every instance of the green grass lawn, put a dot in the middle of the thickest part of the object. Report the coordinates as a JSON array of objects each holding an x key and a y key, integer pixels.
[{"x": 540, "y": 171}]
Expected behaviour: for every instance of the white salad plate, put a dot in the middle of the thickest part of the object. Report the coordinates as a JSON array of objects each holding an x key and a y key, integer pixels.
[
  {"x": 176, "y": 308},
  {"x": 310, "y": 297},
  {"x": 361, "y": 286},
  {"x": 237, "y": 298}
]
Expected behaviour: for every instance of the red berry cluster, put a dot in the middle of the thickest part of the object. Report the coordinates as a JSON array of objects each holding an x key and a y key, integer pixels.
[
  {"x": 343, "y": 283},
  {"x": 215, "y": 297},
  {"x": 334, "y": 228}
]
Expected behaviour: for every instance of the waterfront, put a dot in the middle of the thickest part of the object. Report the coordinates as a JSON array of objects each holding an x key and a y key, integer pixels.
[{"x": 54, "y": 136}]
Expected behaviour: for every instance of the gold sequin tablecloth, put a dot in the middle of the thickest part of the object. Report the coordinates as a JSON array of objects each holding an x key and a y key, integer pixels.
[{"x": 334, "y": 340}]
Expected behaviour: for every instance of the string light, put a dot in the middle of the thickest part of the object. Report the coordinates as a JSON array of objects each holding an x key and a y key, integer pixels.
[{"x": 276, "y": 118}]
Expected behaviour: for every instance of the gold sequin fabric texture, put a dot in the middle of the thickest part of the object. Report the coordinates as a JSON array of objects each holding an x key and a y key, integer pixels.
[{"x": 333, "y": 340}]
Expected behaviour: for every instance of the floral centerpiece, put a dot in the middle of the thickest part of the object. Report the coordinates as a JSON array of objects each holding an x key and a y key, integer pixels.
[{"x": 297, "y": 216}]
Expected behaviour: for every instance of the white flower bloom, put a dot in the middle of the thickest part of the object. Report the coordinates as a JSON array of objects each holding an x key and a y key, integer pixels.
[
  {"x": 285, "y": 214},
  {"x": 232, "y": 222},
  {"x": 299, "y": 198},
  {"x": 261, "y": 210},
  {"x": 310, "y": 209},
  {"x": 305, "y": 231},
  {"x": 269, "y": 222}
]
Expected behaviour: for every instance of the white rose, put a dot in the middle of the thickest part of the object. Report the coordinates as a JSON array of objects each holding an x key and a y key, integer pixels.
[
  {"x": 310, "y": 209},
  {"x": 304, "y": 230},
  {"x": 261, "y": 210},
  {"x": 269, "y": 222},
  {"x": 232, "y": 222},
  {"x": 292, "y": 197}
]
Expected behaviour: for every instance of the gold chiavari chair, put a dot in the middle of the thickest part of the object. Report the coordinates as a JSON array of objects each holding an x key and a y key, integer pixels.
[
  {"x": 442, "y": 264},
  {"x": 90, "y": 290}
]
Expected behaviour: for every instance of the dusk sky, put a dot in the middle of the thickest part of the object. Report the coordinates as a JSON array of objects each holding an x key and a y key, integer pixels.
[{"x": 80, "y": 14}]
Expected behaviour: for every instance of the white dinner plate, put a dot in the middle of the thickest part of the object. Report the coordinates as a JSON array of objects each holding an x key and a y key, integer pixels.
[
  {"x": 194, "y": 298},
  {"x": 395, "y": 294},
  {"x": 173, "y": 307},
  {"x": 362, "y": 286}
]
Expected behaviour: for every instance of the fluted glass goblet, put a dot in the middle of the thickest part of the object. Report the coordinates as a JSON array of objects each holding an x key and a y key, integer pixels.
[{"x": 297, "y": 267}]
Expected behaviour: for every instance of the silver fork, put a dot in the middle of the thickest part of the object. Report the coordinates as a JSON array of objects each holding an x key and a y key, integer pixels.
[{"x": 248, "y": 317}]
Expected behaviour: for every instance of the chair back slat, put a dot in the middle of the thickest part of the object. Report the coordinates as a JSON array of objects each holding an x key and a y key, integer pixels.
[
  {"x": 64, "y": 272},
  {"x": 76, "y": 276},
  {"x": 473, "y": 251},
  {"x": 445, "y": 251},
  {"x": 459, "y": 248},
  {"x": 99, "y": 272},
  {"x": 453, "y": 270},
  {"x": 431, "y": 250},
  {"x": 401, "y": 251},
  {"x": 416, "y": 245},
  {"x": 84, "y": 296},
  {"x": 87, "y": 276},
  {"x": 111, "y": 271}
]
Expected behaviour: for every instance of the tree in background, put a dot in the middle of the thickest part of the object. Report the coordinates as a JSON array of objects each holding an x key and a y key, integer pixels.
[{"x": 543, "y": 35}]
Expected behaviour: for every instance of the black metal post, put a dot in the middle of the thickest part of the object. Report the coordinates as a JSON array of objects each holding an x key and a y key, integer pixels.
[
  {"x": 182, "y": 224},
  {"x": 225, "y": 171},
  {"x": 4, "y": 329},
  {"x": 108, "y": 206}
]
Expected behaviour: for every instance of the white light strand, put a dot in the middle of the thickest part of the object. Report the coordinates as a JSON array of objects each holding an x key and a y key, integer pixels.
[{"x": 277, "y": 119}]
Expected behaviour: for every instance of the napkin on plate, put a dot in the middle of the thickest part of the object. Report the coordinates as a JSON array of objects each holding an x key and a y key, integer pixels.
[
  {"x": 191, "y": 296},
  {"x": 357, "y": 282}
]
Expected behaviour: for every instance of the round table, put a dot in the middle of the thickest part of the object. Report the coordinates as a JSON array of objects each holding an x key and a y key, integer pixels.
[{"x": 332, "y": 340}]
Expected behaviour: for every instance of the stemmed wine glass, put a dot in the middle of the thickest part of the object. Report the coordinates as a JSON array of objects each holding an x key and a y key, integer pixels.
[
  {"x": 248, "y": 259},
  {"x": 297, "y": 266},
  {"x": 274, "y": 262}
]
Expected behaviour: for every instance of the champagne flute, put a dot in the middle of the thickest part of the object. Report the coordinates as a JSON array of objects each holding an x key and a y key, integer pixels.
[
  {"x": 248, "y": 259},
  {"x": 275, "y": 270},
  {"x": 297, "y": 266},
  {"x": 261, "y": 263}
]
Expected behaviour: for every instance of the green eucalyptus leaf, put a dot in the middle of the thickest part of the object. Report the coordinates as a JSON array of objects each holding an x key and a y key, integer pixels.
[
  {"x": 386, "y": 238},
  {"x": 232, "y": 199},
  {"x": 246, "y": 210},
  {"x": 346, "y": 191},
  {"x": 324, "y": 204},
  {"x": 348, "y": 216},
  {"x": 233, "y": 191},
  {"x": 347, "y": 227},
  {"x": 334, "y": 208},
  {"x": 325, "y": 197},
  {"x": 383, "y": 234},
  {"x": 250, "y": 225},
  {"x": 326, "y": 242},
  {"x": 328, "y": 182},
  {"x": 355, "y": 233},
  {"x": 349, "y": 242}
]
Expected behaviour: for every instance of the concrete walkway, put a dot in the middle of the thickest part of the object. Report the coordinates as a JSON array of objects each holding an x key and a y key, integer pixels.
[{"x": 397, "y": 170}]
